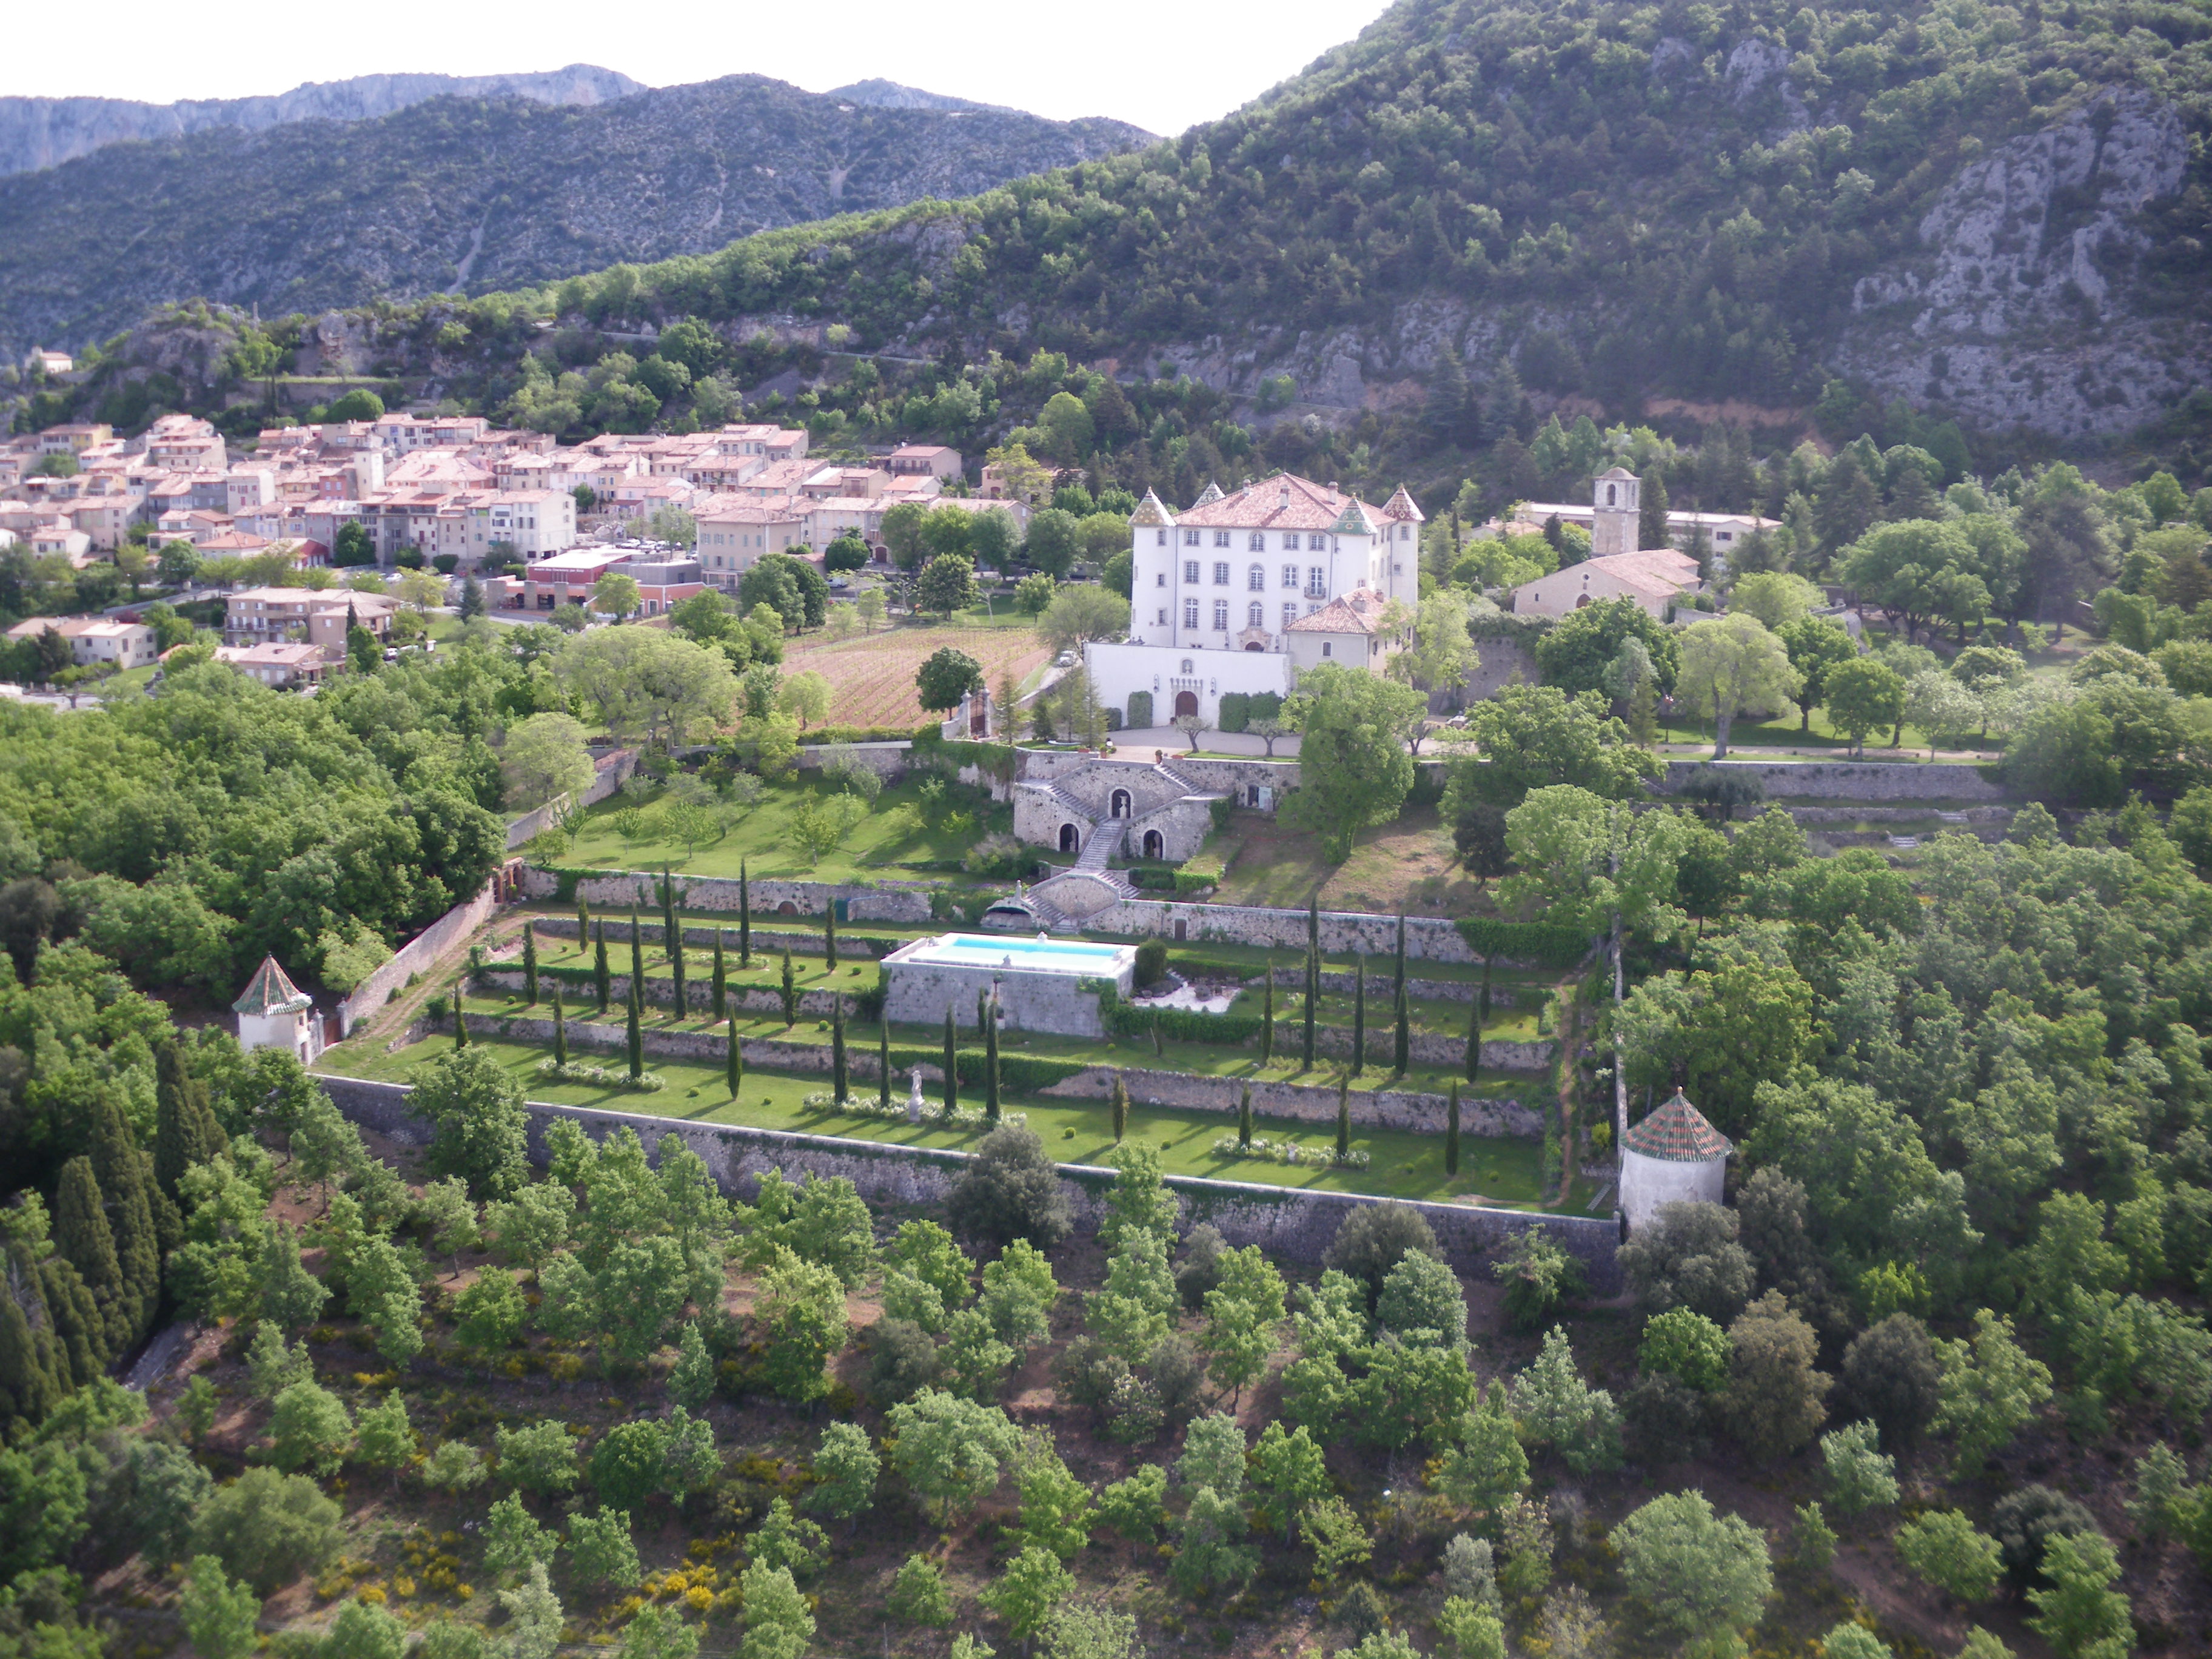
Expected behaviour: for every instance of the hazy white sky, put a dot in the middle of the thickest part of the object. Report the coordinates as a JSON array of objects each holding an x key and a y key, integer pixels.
[{"x": 1161, "y": 63}]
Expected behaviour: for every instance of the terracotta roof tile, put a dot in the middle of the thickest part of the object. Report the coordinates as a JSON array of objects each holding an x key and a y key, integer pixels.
[
  {"x": 1284, "y": 501},
  {"x": 1678, "y": 1133}
]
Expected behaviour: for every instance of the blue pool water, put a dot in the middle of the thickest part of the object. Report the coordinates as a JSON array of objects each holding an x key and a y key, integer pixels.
[{"x": 1041, "y": 956}]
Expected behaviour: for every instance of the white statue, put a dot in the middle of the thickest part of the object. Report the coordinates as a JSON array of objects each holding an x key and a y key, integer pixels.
[{"x": 914, "y": 1098}]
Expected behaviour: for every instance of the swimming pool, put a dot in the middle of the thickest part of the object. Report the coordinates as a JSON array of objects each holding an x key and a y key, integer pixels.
[{"x": 1033, "y": 956}]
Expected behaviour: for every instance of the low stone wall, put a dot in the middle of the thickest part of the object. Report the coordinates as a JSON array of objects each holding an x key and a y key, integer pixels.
[
  {"x": 888, "y": 761},
  {"x": 612, "y": 769},
  {"x": 698, "y": 992},
  {"x": 1435, "y": 990},
  {"x": 1292, "y": 1224},
  {"x": 1383, "y": 1108},
  {"x": 418, "y": 953},
  {"x": 766, "y": 941},
  {"x": 1214, "y": 777},
  {"x": 1867, "y": 780},
  {"x": 1428, "y": 938},
  {"x": 621, "y": 890}
]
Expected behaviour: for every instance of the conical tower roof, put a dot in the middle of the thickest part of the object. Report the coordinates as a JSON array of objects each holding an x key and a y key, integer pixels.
[
  {"x": 1151, "y": 512},
  {"x": 1208, "y": 497},
  {"x": 1402, "y": 505},
  {"x": 269, "y": 993},
  {"x": 1677, "y": 1133}
]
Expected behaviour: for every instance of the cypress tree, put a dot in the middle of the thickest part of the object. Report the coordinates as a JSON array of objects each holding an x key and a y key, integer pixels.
[
  {"x": 1359, "y": 1018},
  {"x": 1343, "y": 1119},
  {"x": 951, "y": 1063},
  {"x": 634, "y": 1036},
  {"x": 829, "y": 934},
  {"x": 1402, "y": 1050},
  {"x": 838, "y": 1092},
  {"x": 1121, "y": 1108},
  {"x": 1451, "y": 1131},
  {"x": 744, "y": 918},
  {"x": 1244, "y": 1118},
  {"x": 127, "y": 1192},
  {"x": 1481, "y": 1018},
  {"x": 80, "y": 1332},
  {"x": 583, "y": 923},
  {"x": 602, "y": 981},
  {"x": 734, "y": 1060},
  {"x": 884, "y": 1063},
  {"x": 789, "y": 988},
  {"x": 460, "y": 1021},
  {"x": 1313, "y": 922},
  {"x": 1159, "y": 1047},
  {"x": 86, "y": 1241},
  {"x": 560, "y": 1028},
  {"x": 186, "y": 1132},
  {"x": 637, "y": 961},
  {"x": 1313, "y": 995},
  {"x": 1651, "y": 515},
  {"x": 29, "y": 1382},
  {"x": 529, "y": 967},
  {"x": 1267, "y": 1017},
  {"x": 990, "y": 1068},
  {"x": 671, "y": 938},
  {"x": 721, "y": 981}
]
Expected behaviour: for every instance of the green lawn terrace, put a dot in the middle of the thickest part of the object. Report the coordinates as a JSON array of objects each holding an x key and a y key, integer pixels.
[
  {"x": 855, "y": 973},
  {"x": 1502, "y": 1172},
  {"x": 901, "y": 836}
]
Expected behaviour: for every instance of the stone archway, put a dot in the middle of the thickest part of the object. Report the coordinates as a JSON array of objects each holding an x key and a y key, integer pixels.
[
  {"x": 1256, "y": 646},
  {"x": 1071, "y": 838},
  {"x": 788, "y": 907},
  {"x": 1120, "y": 804},
  {"x": 1185, "y": 703},
  {"x": 1156, "y": 846}
]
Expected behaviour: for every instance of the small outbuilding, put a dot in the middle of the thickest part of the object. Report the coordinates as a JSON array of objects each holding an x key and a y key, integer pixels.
[
  {"x": 274, "y": 1013},
  {"x": 1673, "y": 1155}
]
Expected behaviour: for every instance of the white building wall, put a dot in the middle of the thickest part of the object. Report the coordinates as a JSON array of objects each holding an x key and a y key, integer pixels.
[
  {"x": 1115, "y": 671},
  {"x": 1649, "y": 1183}
]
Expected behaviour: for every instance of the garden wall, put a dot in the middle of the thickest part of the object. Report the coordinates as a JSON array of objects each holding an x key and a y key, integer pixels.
[
  {"x": 1868, "y": 781},
  {"x": 766, "y": 941},
  {"x": 622, "y": 889},
  {"x": 1224, "y": 777},
  {"x": 612, "y": 769},
  {"x": 1433, "y": 990},
  {"x": 419, "y": 953},
  {"x": 1382, "y": 1108},
  {"x": 1428, "y": 938},
  {"x": 1288, "y": 1222}
]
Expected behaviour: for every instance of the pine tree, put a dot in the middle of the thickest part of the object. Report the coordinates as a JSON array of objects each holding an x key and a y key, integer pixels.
[
  {"x": 721, "y": 981},
  {"x": 1267, "y": 1017},
  {"x": 744, "y": 919},
  {"x": 1359, "y": 1018},
  {"x": 734, "y": 1060},
  {"x": 1244, "y": 1118},
  {"x": 602, "y": 981},
  {"x": 127, "y": 1192},
  {"x": 634, "y": 1035},
  {"x": 837, "y": 1090},
  {"x": 1451, "y": 1131},
  {"x": 560, "y": 1028},
  {"x": 671, "y": 938},
  {"x": 529, "y": 967},
  {"x": 991, "y": 1067},
  {"x": 86, "y": 1241},
  {"x": 1343, "y": 1118},
  {"x": 1121, "y": 1108},
  {"x": 186, "y": 1132},
  {"x": 951, "y": 1063},
  {"x": 1651, "y": 515},
  {"x": 829, "y": 934},
  {"x": 290, "y": 1295},
  {"x": 883, "y": 1062}
]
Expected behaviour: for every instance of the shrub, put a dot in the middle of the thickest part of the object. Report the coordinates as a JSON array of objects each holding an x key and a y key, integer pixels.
[
  {"x": 1373, "y": 1238},
  {"x": 1151, "y": 962},
  {"x": 1687, "y": 1257},
  {"x": 1891, "y": 1372},
  {"x": 1860, "y": 1477},
  {"x": 2027, "y": 1521},
  {"x": 1010, "y": 1191},
  {"x": 268, "y": 1527},
  {"x": 1945, "y": 1548}
]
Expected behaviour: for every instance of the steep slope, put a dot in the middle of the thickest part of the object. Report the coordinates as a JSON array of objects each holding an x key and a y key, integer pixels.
[
  {"x": 44, "y": 132},
  {"x": 473, "y": 194}
]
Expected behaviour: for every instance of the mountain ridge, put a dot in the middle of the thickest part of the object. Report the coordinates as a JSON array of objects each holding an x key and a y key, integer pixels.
[{"x": 43, "y": 132}]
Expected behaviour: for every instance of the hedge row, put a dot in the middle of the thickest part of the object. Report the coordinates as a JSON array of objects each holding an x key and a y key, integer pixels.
[
  {"x": 1524, "y": 941},
  {"x": 1184, "y": 1024},
  {"x": 819, "y": 735}
]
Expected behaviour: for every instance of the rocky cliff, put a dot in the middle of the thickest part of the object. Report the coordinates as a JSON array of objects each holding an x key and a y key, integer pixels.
[
  {"x": 44, "y": 132},
  {"x": 466, "y": 195}
]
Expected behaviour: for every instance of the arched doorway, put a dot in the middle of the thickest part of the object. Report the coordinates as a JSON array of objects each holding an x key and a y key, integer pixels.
[
  {"x": 1155, "y": 847},
  {"x": 1256, "y": 646},
  {"x": 1582, "y": 601},
  {"x": 1071, "y": 838},
  {"x": 1120, "y": 808},
  {"x": 1185, "y": 703},
  {"x": 788, "y": 907}
]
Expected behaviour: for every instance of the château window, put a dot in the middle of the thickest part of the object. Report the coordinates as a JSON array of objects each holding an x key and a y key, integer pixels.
[
  {"x": 1221, "y": 538},
  {"x": 1190, "y": 539},
  {"x": 1190, "y": 570},
  {"x": 1290, "y": 614},
  {"x": 1221, "y": 572},
  {"x": 1256, "y": 615},
  {"x": 1190, "y": 613},
  {"x": 1291, "y": 577},
  {"x": 1259, "y": 541},
  {"x": 1316, "y": 583},
  {"x": 1221, "y": 616},
  {"x": 1315, "y": 544},
  {"x": 1255, "y": 579}
]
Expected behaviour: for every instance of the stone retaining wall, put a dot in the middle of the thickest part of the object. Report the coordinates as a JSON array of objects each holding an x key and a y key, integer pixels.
[
  {"x": 1428, "y": 938},
  {"x": 1436, "y": 990},
  {"x": 766, "y": 941},
  {"x": 698, "y": 992},
  {"x": 621, "y": 890},
  {"x": 1868, "y": 781},
  {"x": 611, "y": 770},
  {"x": 1383, "y": 1108},
  {"x": 1292, "y": 1224}
]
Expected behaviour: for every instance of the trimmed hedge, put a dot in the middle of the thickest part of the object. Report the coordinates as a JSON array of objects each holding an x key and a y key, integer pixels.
[
  {"x": 1524, "y": 941},
  {"x": 1184, "y": 1024},
  {"x": 1022, "y": 1074}
]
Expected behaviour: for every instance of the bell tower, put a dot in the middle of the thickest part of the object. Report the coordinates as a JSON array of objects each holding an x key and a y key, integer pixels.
[{"x": 1614, "y": 514}]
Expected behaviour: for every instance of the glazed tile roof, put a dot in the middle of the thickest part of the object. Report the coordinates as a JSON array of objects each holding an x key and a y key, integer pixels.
[
  {"x": 1679, "y": 1134},
  {"x": 268, "y": 992}
]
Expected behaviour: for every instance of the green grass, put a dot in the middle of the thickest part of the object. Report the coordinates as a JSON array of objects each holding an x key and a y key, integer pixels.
[
  {"x": 1497, "y": 1171},
  {"x": 892, "y": 839}
]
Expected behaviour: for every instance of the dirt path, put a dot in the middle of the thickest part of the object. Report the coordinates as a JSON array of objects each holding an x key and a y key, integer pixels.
[{"x": 385, "y": 1023}]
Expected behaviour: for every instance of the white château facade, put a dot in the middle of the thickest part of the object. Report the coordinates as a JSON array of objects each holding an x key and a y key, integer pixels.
[{"x": 1217, "y": 590}]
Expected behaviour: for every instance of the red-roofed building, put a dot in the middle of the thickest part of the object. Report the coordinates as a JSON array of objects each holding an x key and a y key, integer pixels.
[{"x": 1674, "y": 1156}]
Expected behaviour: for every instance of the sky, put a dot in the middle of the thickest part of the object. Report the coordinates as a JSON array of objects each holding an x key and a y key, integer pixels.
[{"x": 1163, "y": 65}]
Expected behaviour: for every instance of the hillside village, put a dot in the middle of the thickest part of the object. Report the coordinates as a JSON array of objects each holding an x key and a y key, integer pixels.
[{"x": 964, "y": 933}]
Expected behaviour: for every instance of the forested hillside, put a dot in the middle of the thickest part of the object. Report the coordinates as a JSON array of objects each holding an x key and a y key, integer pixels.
[{"x": 470, "y": 193}]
